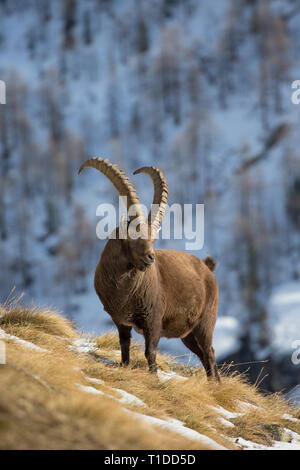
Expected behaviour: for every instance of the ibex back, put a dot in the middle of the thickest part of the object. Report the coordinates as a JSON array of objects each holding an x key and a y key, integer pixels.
[{"x": 159, "y": 293}]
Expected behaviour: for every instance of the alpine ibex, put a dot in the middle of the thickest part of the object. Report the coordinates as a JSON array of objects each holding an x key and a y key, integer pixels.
[{"x": 159, "y": 293}]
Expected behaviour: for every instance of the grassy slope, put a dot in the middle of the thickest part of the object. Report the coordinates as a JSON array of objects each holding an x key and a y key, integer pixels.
[{"x": 42, "y": 406}]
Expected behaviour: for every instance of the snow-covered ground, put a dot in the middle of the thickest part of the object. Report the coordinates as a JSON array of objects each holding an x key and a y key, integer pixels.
[
  {"x": 85, "y": 345},
  {"x": 26, "y": 344}
]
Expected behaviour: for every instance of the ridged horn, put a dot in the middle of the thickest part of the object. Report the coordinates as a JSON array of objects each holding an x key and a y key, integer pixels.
[
  {"x": 119, "y": 180},
  {"x": 160, "y": 197}
]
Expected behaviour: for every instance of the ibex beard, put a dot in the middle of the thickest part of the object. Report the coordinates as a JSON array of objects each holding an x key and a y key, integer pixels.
[{"x": 159, "y": 293}]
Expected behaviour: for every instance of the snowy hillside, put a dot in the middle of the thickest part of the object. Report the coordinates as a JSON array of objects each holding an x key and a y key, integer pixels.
[
  {"x": 202, "y": 92},
  {"x": 63, "y": 390}
]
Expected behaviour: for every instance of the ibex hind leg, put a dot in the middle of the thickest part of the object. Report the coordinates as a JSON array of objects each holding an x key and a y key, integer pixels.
[
  {"x": 190, "y": 342},
  {"x": 203, "y": 338}
]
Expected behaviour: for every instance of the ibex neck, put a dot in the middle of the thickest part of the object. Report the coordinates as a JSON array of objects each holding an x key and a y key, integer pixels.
[{"x": 116, "y": 267}]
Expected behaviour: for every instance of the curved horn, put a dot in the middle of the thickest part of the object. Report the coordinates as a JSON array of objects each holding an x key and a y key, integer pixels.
[
  {"x": 119, "y": 180},
  {"x": 160, "y": 197}
]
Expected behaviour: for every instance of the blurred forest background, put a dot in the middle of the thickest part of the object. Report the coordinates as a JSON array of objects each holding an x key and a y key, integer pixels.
[{"x": 200, "y": 89}]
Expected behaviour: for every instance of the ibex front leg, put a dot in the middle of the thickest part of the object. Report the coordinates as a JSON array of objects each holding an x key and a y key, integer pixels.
[
  {"x": 125, "y": 337},
  {"x": 152, "y": 335}
]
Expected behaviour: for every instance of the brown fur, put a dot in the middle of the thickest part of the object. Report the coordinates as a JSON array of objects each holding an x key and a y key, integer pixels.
[
  {"x": 174, "y": 296},
  {"x": 210, "y": 263}
]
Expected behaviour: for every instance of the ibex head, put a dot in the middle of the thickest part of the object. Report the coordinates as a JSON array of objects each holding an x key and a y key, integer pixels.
[{"x": 138, "y": 246}]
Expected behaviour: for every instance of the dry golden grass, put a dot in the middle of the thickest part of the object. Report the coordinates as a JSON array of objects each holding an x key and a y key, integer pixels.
[
  {"x": 41, "y": 405},
  {"x": 43, "y": 320}
]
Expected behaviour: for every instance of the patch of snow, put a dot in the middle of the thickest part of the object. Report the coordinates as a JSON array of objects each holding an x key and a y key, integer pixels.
[
  {"x": 225, "y": 422},
  {"x": 171, "y": 424},
  {"x": 26, "y": 344},
  {"x": 247, "y": 445},
  {"x": 83, "y": 345},
  {"x": 294, "y": 436},
  {"x": 126, "y": 398},
  {"x": 165, "y": 376},
  {"x": 129, "y": 399},
  {"x": 276, "y": 445},
  {"x": 96, "y": 381},
  {"x": 225, "y": 413},
  {"x": 175, "y": 421},
  {"x": 245, "y": 406},
  {"x": 290, "y": 418},
  {"x": 178, "y": 427},
  {"x": 93, "y": 390},
  {"x": 284, "y": 446}
]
